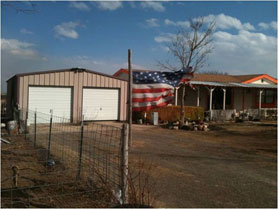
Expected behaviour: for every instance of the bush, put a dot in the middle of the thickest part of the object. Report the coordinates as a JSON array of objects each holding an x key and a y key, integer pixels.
[{"x": 172, "y": 113}]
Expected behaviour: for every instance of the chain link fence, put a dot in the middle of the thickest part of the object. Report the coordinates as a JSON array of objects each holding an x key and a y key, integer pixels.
[{"x": 50, "y": 153}]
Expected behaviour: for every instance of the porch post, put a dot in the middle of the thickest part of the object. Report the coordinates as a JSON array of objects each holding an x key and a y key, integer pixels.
[
  {"x": 176, "y": 96},
  {"x": 210, "y": 89},
  {"x": 198, "y": 96},
  {"x": 260, "y": 101},
  {"x": 224, "y": 98},
  {"x": 210, "y": 98}
]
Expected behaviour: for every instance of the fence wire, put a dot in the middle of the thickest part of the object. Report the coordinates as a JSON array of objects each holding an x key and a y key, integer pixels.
[{"x": 52, "y": 162}]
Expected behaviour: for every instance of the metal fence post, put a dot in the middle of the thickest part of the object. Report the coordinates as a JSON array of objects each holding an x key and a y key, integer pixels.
[
  {"x": 17, "y": 112},
  {"x": 80, "y": 148},
  {"x": 49, "y": 136},
  {"x": 26, "y": 118},
  {"x": 35, "y": 128},
  {"x": 124, "y": 163}
]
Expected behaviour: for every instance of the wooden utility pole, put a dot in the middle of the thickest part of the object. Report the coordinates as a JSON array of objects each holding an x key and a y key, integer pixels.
[
  {"x": 182, "y": 106},
  {"x": 124, "y": 163},
  {"x": 130, "y": 98}
]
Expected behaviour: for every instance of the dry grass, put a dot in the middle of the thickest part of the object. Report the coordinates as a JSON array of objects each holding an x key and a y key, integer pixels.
[
  {"x": 43, "y": 186},
  {"x": 141, "y": 184}
]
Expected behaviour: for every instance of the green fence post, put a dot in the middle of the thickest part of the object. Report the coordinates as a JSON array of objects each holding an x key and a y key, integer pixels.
[
  {"x": 80, "y": 148},
  {"x": 35, "y": 128},
  {"x": 49, "y": 136}
]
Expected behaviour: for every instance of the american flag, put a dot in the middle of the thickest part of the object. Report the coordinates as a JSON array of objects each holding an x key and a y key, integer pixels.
[{"x": 153, "y": 89}]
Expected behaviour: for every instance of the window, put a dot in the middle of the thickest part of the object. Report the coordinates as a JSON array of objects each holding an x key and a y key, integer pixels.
[{"x": 267, "y": 97}]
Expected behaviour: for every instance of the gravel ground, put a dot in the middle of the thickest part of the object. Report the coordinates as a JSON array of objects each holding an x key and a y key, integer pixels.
[{"x": 233, "y": 165}]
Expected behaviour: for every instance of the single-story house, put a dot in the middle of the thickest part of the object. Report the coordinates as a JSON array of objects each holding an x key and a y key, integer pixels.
[
  {"x": 223, "y": 95},
  {"x": 70, "y": 93}
]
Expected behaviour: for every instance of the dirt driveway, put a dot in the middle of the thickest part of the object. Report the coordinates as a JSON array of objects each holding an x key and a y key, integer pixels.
[{"x": 232, "y": 166}]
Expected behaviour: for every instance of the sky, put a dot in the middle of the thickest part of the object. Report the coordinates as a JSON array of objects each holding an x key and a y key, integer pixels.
[{"x": 97, "y": 35}]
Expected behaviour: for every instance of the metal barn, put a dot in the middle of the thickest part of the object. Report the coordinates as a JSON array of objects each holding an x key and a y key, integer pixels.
[{"x": 70, "y": 93}]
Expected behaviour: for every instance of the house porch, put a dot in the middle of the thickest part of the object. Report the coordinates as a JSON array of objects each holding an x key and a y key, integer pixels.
[{"x": 222, "y": 100}]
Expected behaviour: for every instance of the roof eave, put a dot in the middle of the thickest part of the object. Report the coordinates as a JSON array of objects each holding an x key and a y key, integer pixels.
[
  {"x": 260, "y": 77},
  {"x": 65, "y": 70}
]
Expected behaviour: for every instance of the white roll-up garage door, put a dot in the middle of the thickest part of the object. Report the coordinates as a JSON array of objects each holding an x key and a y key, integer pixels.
[
  {"x": 44, "y": 99},
  {"x": 100, "y": 104}
]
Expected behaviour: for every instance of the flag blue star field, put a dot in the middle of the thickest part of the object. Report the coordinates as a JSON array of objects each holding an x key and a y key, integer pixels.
[{"x": 153, "y": 89}]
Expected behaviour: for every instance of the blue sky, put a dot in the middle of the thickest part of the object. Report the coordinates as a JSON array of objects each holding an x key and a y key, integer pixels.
[{"x": 97, "y": 35}]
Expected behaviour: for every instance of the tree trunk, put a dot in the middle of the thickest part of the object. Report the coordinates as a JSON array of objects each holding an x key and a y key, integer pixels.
[{"x": 182, "y": 106}]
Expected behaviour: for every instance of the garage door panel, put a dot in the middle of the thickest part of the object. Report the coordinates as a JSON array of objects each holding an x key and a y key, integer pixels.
[
  {"x": 44, "y": 99},
  {"x": 100, "y": 104}
]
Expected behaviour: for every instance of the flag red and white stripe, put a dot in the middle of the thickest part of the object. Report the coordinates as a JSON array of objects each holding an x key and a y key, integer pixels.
[
  {"x": 149, "y": 96},
  {"x": 155, "y": 89}
]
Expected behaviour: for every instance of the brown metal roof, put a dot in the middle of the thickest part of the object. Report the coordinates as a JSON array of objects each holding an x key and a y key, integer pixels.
[
  {"x": 214, "y": 78},
  {"x": 64, "y": 70},
  {"x": 206, "y": 77},
  {"x": 243, "y": 78}
]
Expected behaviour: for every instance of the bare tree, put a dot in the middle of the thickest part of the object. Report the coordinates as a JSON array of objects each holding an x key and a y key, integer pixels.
[{"x": 189, "y": 49}]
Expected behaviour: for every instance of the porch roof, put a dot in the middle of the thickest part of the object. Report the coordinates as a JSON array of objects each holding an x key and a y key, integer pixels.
[{"x": 221, "y": 84}]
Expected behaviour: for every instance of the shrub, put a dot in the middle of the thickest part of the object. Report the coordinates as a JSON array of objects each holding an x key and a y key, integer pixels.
[{"x": 172, "y": 113}]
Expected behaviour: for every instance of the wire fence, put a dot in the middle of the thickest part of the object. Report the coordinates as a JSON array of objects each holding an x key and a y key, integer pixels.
[{"x": 55, "y": 161}]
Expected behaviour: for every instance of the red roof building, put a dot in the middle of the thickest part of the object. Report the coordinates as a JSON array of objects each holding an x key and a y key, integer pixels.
[{"x": 227, "y": 92}]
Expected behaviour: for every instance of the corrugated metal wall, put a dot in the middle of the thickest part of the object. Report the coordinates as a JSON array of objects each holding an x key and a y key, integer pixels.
[{"x": 77, "y": 80}]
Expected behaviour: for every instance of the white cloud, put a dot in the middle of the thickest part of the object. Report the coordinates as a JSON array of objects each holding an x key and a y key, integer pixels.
[
  {"x": 253, "y": 42},
  {"x": 165, "y": 37},
  {"x": 66, "y": 29},
  {"x": 109, "y": 5},
  {"x": 79, "y": 5},
  {"x": 185, "y": 24},
  {"x": 266, "y": 26},
  {"x": 157, "y": 6},
  {"x": 152, "y": 22},
  {"x": 222, "y": 22},
  {"x": 18, "y": 57},
  {"x": 15, "y": 47},
  {"x": 25, "y": 31},
  {"x": 244, "y": 53},
  {"x": 248, "y": 26},
  {"x": 169, "y": 22},
  {"x": 227, "y": 22},
  {"x": 273, "y": 24}
]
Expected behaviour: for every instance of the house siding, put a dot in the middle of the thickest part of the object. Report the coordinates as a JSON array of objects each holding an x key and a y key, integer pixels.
[
  {"x": 242, "y": 98},
  {"x": 238, "y": 95},
  {"x": 191, "y": 97}
]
